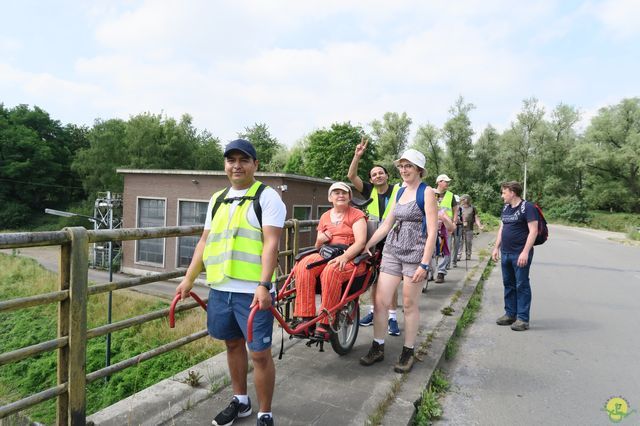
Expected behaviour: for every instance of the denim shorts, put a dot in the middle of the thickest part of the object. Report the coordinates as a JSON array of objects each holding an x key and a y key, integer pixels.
[
  {"x": 227, "y": 316},
  {"x": 394, "y": 266}
]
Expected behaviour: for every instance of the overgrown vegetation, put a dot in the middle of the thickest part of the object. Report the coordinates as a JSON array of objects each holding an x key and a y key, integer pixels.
[
  {"x": 430, "y": 408},
  {"x": 20, "y": 277}
]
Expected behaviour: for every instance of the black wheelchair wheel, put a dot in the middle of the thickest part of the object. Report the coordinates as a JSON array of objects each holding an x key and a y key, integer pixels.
[{"x": 346, "y": 328}]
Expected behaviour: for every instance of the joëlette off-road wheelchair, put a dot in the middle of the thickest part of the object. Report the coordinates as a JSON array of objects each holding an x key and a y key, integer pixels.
[{"x": 343, "y": 318}]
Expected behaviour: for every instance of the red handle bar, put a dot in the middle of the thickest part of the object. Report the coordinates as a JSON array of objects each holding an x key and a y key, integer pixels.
[{"x": 172, "y": 319}]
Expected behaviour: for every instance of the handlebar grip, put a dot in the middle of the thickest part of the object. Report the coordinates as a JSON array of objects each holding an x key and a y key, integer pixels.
[{"x": 174, "y": 302}]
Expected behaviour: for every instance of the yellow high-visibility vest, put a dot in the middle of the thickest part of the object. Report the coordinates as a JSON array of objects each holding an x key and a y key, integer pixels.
[
  {"x": 374, "y": 210},
  {"x": 446, "y": 202},
  {"x": 234, "y": 246}
]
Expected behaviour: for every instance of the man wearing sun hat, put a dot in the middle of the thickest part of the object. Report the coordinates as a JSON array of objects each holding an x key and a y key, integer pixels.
[
  {"x": 240, "y": 274},
  {"x": 448, "y": 203}
]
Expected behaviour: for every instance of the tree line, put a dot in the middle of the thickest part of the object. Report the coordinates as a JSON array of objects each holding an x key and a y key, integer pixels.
[{"x": 44, "y": 163}]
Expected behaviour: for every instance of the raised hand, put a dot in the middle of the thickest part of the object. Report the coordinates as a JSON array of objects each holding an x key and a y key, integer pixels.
[{"x": 361, "y": 147}]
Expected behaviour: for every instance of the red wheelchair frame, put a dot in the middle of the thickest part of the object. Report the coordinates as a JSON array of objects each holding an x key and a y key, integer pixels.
[{"x": 344, "y": 317}]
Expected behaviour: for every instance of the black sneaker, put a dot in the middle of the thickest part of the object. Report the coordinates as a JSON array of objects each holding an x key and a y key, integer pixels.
[
  {"x": 234, "y": 410},
  {"x": 265, "y": 420}
]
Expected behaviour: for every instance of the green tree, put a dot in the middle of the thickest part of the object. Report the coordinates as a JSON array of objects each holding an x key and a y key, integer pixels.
[
  {"x": 329, "y": 151},
  {"x": 485, "y": 174},
  {"x": 157, "y": 142},
  {"x": 529, "y": 119},
  {"x": 266, "y": 145},
  {"x": 295, "y": 159},
  {"x": 457, "y": 134},
  {"x": 209, "y": 154},
  {"x": 610, "y": 155},
  {"x": 35, "y": 164},
  {"x": 107, "y": 151},
  {"x": 427, "y": 141},
  {"x": 390, "y": 137}
]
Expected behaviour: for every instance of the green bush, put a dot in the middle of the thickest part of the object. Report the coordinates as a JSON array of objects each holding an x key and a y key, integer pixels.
[
  {"x": 570, "y": 209},
  {"x": 617, "y": 222}
]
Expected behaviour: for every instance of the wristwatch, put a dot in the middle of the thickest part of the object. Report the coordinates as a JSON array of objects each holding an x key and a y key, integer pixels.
[
  {"x": 266, "y": 284},
  {"x": 424, "y": 266}
]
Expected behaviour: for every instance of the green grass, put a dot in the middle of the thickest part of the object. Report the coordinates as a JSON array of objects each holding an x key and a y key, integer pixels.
[
  {"x": 430, "y": 407},
  {"x": 20, "y": 277}
]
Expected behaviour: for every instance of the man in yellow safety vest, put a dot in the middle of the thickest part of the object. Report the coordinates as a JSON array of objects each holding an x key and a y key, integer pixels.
[
  {"x": 382, "y": 193},
  {"x": 448, "y": 203},
  {"x": 239, "y": 252}
]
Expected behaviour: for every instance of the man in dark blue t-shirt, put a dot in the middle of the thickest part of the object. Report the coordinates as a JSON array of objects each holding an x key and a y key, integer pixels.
[{"x": 514, "y": 243}]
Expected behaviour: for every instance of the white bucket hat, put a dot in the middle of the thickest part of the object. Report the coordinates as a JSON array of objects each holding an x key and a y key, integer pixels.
[{"x": 414, "y": 156}]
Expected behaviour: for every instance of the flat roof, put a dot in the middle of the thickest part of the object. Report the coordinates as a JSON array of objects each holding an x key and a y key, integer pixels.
[{"x": 221, "y": 173}]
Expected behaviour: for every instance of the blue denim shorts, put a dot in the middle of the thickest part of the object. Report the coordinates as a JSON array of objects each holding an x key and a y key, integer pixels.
[{"x": 227, "y": 316}]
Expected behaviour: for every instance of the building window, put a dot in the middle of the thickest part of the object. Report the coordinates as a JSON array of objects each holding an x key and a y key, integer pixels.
[
  {"x": 150, "y": 214},
  {"x": 322, "y": 210},
  {"x": 302, "y": 213},
  {"x": 189, "y": 213}
]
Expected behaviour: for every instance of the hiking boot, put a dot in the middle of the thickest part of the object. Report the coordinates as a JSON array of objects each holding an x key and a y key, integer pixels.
[
  {"x": 468, "y": 257},
  {"x": 440, "y": 278},
  {"x": 234, "y": 410},
  {"x": 505, "y": 320},
  {"x": 265, "y": 420},
  {"x": 405, "y": 363},
  {"x": 393, "y": 328},
  {"x": 376, "y": 354},
  {"x": 520, "y": 325},
  {"x": 367, "y": 320}
]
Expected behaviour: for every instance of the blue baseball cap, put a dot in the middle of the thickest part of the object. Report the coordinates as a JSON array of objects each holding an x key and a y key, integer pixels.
[{"x": 243, "y": 146}]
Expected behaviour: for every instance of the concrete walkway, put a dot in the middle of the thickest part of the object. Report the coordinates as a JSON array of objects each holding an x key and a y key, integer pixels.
[{"x": 312, "y": 387}]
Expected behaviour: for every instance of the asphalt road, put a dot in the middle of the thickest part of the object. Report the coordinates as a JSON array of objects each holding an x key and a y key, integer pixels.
[{"x": 581, "y": 350}]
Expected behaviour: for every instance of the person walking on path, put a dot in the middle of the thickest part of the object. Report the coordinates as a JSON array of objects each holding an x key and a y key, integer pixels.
[
  {"x": 239, "y": 251},
  {"x": 411, "y": 240},
  {"x": 514, "y": 243},
  {"x": 446, "y": 201},
  {"x": 469, "y": 217},
  {"x": 382, "y": 193},
  {"x": 457, "y": 237}
]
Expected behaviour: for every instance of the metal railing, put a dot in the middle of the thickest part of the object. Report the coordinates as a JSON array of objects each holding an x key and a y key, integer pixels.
[{"x": 72, "y": 295}]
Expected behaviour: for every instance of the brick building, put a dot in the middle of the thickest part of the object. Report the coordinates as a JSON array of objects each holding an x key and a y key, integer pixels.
[{"x": 179, "y": 197}]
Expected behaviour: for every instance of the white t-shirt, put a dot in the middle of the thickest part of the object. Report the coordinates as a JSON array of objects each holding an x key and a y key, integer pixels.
[{"x": 274, "y": 213}]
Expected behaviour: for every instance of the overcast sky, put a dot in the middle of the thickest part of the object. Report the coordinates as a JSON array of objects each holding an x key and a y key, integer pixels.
[{"x": 299, "y": 65}]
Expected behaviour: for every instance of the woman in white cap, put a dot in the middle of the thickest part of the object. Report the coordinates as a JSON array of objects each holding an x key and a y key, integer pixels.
[
  {"x": 342, "y": 224},
  {"x": 405, "y": 256}
]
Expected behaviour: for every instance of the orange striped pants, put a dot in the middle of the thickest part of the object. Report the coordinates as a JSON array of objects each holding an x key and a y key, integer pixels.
[{"x": 331, "y": 280}]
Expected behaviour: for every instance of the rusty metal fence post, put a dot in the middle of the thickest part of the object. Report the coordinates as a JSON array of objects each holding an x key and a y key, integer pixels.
[
  {"x": 64, "y": 266},
  {"x": 79, "y": 260}
]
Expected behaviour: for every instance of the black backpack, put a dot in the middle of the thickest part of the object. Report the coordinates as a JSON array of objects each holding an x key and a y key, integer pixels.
[{"x": 543, "y": 230}]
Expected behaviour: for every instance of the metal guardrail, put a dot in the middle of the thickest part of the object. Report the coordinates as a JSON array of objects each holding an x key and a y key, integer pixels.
[{"x": 71, "y": 297}]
